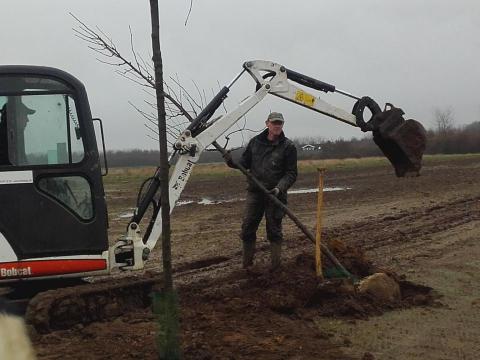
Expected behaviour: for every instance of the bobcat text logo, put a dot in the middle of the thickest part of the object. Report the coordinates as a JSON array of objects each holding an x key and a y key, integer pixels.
[
  {"x": 183, "y": 175},
  {"x": 15, "y": 272}
]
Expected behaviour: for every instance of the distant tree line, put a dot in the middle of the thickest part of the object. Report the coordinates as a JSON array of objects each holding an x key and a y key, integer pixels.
[
  {"x": 120, "y": 158},
  {"x": 443, "y": 139},
  {"x": 454, "y": 140},
  {"x": 136, "y": 157}
]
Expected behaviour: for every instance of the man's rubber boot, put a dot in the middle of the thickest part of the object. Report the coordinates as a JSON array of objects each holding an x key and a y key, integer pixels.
[
  {"x": 248, "y": 253},
  {"x": 275, "y": 255}
]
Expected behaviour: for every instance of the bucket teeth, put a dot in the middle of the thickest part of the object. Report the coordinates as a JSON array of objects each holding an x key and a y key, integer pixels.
[{"x": 402, "y": 141}]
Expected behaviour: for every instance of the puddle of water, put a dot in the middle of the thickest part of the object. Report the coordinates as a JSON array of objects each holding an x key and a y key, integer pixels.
[
  {"x": 125, "y": 215},
  {"x": 309, "y": 191},
  {"x": 128, "y": 213},
  {"x": 207, "y": 201}
]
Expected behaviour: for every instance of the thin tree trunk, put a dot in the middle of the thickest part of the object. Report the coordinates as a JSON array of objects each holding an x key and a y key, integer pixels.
[
  {"x": 166, "y": 303},
  {"x": 162, "y": 130}
]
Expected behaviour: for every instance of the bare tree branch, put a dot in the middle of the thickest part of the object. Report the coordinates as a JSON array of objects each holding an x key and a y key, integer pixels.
[
  {"x": 199, "y": 93},
  {"x": 151, "y": 137},
  {"x": 139, "y": 72},
  {"x": 192, "y": 100},
  {"x": 189, "y": 11},
  {"x": 155, "y": 131}
]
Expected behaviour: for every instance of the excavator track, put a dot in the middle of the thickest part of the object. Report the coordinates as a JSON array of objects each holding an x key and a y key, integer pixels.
[
  {"x": 61, "y": 305},
  {"x": 82, "y": 304}
]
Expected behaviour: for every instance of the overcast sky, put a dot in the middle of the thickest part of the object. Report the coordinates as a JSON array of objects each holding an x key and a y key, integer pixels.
[{"x": 419, "y": 55}]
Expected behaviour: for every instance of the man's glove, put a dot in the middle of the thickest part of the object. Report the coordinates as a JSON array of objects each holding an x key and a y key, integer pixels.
[
  {"x": 275, "y": 191},
  {"x": 227, "y": 156},
  {"x": 228, "y": 159}
]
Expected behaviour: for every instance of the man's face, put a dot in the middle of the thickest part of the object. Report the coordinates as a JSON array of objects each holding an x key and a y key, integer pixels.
[
  {"x": 22, "y": 120},
  {"x": 275, "y": 128}
]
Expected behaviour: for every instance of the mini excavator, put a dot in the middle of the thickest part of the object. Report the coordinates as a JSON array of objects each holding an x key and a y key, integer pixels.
[{"x": 53, "y": 214}]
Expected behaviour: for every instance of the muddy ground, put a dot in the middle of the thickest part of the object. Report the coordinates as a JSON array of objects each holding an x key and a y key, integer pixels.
[{"x": 424, "y": 230}]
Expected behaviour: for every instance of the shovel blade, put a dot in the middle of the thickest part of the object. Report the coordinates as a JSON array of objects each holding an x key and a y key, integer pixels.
[{"x": 402, "y": 141}]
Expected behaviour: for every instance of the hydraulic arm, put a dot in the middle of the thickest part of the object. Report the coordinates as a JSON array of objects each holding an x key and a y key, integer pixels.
[{"x": 402, "y": 141}]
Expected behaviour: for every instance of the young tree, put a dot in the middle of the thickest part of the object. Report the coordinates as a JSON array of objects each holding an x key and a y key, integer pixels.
[
  {"x": 165, "y": 301},
  {"x": 168, "y": 332},
  {"x": 162, "y": 132}
]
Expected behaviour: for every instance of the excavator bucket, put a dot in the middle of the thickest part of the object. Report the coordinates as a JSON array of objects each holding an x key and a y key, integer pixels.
[{"x": 401, "y": 141}]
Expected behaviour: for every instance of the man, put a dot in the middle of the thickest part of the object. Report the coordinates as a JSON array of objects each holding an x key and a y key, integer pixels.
[
  {"x": 18, "y": 118},
  {"x": 272, "y": 159}
]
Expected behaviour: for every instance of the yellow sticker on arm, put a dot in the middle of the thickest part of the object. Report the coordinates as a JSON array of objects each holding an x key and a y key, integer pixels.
[{"x": 304, "y": 98}]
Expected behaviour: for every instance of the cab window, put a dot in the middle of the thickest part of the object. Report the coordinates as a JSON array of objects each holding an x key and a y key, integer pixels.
[
  {"x": 38, "y": 125},
  {"x": 74, "y": 192}
]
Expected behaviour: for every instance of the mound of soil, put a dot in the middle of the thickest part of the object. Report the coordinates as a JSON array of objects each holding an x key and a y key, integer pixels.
[{"x": 253, "y": 309}]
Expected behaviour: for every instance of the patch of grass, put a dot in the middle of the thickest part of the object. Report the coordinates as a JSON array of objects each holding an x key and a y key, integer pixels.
[
  {"x": 213, "y": 171},
  {"x": 439, "y": 158},
  {"x": 135, "y": 175},
  {"x": 309, "y": 166},
  {"x": 129, "y": 175}
]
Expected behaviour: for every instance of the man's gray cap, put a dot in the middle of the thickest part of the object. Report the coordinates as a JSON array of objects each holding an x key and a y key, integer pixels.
[
  {"x": 26, "y": 109},
  {"x": 22, "y": 108},
  {"x": 275, "y": 116}
]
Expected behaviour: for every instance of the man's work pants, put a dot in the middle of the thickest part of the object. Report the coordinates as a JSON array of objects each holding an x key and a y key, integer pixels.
[{"x": 258, "y": 204}]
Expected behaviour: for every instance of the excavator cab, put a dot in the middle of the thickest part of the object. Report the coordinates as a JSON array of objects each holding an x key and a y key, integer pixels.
[{"x": 52, "y": 208}]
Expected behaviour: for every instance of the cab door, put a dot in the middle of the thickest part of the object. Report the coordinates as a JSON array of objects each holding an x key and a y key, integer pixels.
[{"x": 51, "y": 194}]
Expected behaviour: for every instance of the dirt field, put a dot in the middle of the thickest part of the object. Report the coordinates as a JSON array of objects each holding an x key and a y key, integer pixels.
[{"x": 425, "y": 230}]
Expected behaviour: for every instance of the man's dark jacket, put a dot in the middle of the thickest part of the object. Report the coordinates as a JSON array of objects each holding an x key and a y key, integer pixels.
[{"x": 273, "y": 163}]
